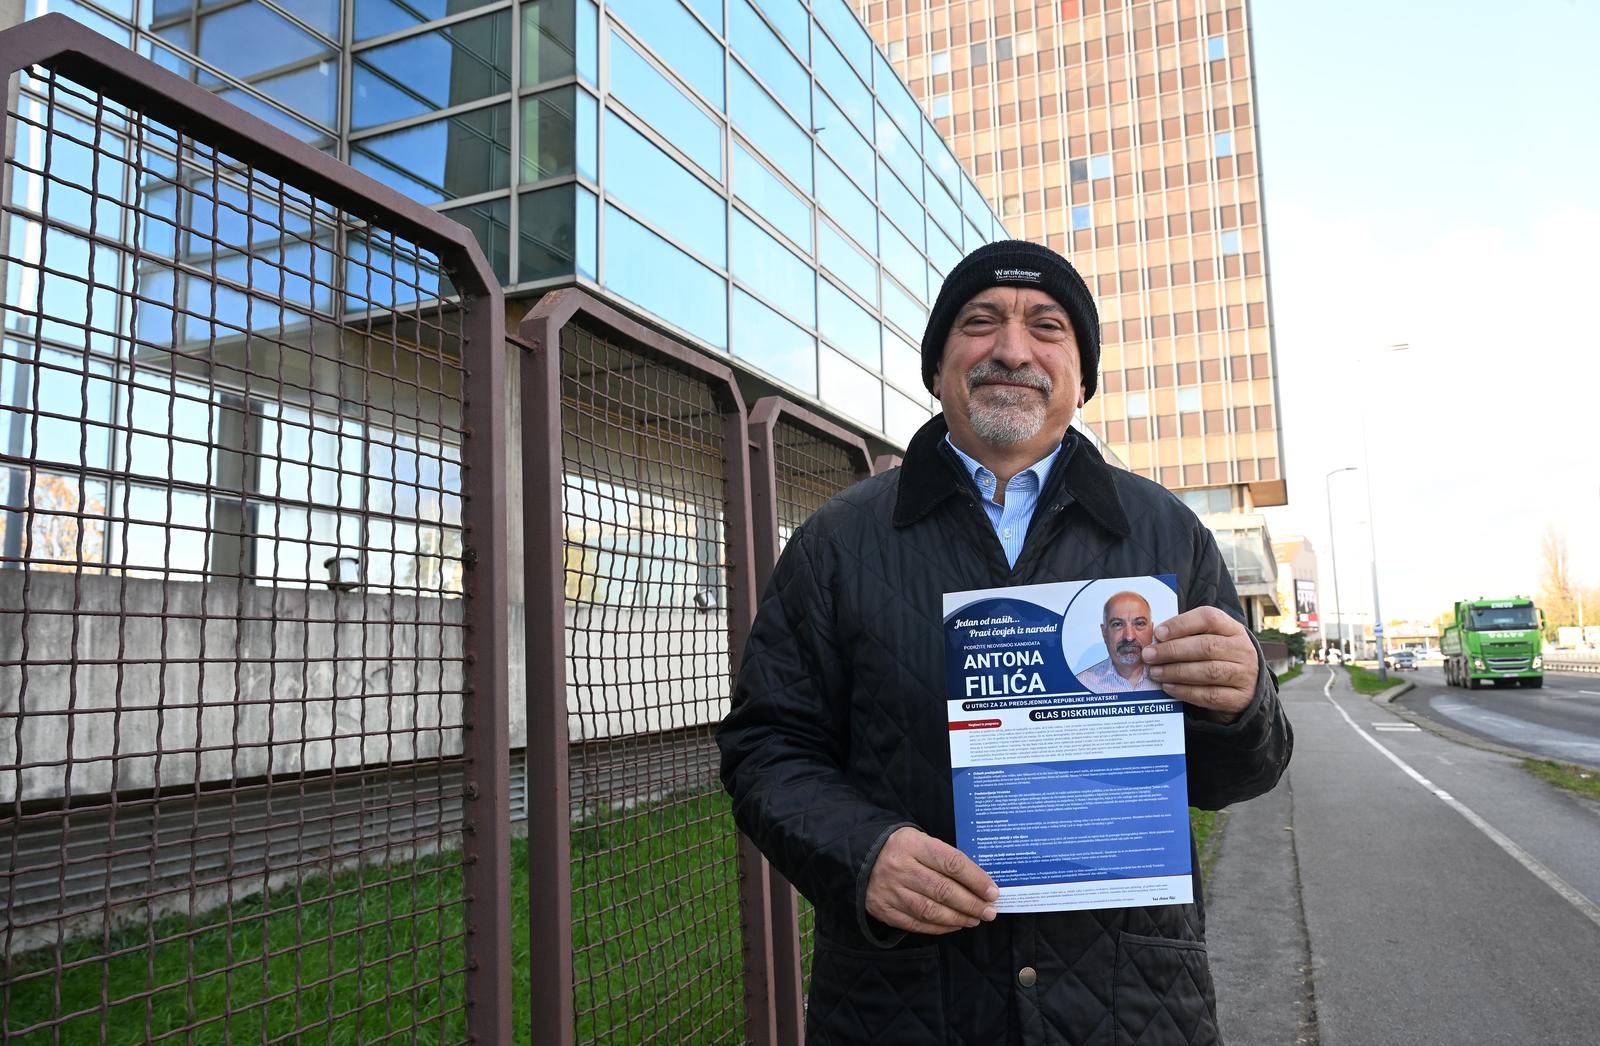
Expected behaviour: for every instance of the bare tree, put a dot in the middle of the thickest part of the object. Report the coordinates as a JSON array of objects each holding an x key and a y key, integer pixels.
[
  {"x": 1556, "y": 596},
  {"x": 61, "y": 535}
]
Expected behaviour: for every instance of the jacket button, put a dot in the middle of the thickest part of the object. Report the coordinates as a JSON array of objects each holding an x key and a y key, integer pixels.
[{"x": 1027, "y": 976}]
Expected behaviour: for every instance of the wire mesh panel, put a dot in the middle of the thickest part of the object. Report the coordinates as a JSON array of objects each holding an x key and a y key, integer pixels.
[
  {"x": 808, "y": 470},
  {"x": 232, "y": 563},
  {"x": 655, "y": 913}
]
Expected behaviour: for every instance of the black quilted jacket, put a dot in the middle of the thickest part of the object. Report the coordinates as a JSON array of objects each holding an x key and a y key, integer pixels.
[{"x": 837, "y": 737}]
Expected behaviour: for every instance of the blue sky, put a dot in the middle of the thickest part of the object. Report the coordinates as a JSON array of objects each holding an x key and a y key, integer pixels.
[{"x": 1432, "y": 176}]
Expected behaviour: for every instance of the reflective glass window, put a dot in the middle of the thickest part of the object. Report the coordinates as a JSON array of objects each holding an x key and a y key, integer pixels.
[
  {"x": 835, "y": 76},
  {"x": 649, "y": 271},
  {"x": 849, "y": 388},
  {"x": 556, "y": 233},
  {"x": 275, "y": 116},
  {"x": 70, "y": 398},
  {"x": 841, "y": 23},
  {"x": 974, "y": 206},
  {"x": 942, "y": 254},
  {"x": 490, "y": 222},
  {"x": 836, "y": 134},
  {"x": 460, "y": 63},
  {"x": 549, "y": 39},
  {"x": 900, "y": 205},
  {"x": 754, "y": 41},
  {"x": 1100, "y": 166},
  {"x": 1189, "y": 399},
  {"x": 769, "y": 128},
  {"x": 774, "y": 344},
  {"x": 939, "y": 106},
  {"x": 902, "y": 310},
  {"x": 943, "y": 208},
  {"x": 660, "y": 189},
  {"x": 682, "y": 42},
  {"x": 894, "y": 98},
  {"x": 766, "y": 194},
  {"x": 312, "y": 92},
  {"x": 846, "y": 325},
  {"x": 939, "y": 62},
  {"x": 902, "y": 417},
  {"x": 852, "y": 208},
  {"x": 840, "y": 257},
  {"x": 897, "y": 149},
  {"x": 433, "y": 162},
  {"x": 588, "y": 45},
  {"x": 1136, "y": 404},
  {"x": 710, "y": 10},
  {"x": 321, "y": 15},
  {"x": 250, "y": 39},
  {"x": 1230, "y": 241},
  {"x": 790, "y": 19},
  {"x": 661, "y": 105},
  {"x": 902, "y": 362},
  {"x": 1078, "y": 170},
  {"x": 1216, "y": 48},
  {"x": 772, "y": 271},
  {"x": 900, "y": 258},
  {"x": 1081, "y": 218},
  {"x": 559, "y": 135},
  {"x": 1224, "y": 143},
  {"x": 971, "y": 238},
  {"x": 378, "y": 17}
]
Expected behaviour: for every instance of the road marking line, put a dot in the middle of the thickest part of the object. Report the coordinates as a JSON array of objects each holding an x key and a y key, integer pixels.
[
  {"x": 1409, "y": 728},
  {"x": 1591, "y": 693},
  {"x": 1587, "y": 908}
]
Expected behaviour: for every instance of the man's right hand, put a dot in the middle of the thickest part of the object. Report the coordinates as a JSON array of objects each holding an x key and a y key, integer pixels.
[{"x": 923, "y": 885}]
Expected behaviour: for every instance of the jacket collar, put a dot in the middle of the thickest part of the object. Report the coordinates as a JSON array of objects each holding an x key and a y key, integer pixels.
[{"x": 929, "y": 474}]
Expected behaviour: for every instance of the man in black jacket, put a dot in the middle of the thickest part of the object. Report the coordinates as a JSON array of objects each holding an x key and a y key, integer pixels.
[{"x": 835, "y": 751}]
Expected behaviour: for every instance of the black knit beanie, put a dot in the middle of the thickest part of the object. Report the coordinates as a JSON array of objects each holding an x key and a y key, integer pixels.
[{"x": 1015, "y": 263}]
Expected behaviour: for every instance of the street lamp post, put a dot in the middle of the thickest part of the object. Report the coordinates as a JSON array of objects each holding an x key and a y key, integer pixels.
[
  {"x": 1333, "y": 557},
  {"x": 1372, "y": 533}
]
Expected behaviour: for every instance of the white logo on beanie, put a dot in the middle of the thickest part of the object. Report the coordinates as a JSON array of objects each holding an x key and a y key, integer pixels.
[{"x": 1018, "y": 275}]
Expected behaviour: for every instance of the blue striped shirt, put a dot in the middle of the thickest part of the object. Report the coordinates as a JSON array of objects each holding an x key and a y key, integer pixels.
[{"x": 1010, "y": 520}]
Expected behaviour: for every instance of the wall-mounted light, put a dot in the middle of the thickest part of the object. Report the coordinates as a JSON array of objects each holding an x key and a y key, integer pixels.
[{"x": 344, "y": 573}]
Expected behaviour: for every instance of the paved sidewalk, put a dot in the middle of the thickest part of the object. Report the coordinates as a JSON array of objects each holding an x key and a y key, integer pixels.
[{"x": 1418, "y": 928}]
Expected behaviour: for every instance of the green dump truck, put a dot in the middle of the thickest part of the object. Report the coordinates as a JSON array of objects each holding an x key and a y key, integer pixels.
[{"x": 1493, "y": 640}]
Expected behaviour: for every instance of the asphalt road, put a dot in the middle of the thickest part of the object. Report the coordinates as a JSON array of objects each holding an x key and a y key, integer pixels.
[
  {"x": 1401, "y": 888},
  {"x": 1560, "y": 720}
]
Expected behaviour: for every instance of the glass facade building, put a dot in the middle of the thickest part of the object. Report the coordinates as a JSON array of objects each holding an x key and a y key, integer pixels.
[
  {"x": 1122, "y": 133},
  {"x": 752, "y": 174}
]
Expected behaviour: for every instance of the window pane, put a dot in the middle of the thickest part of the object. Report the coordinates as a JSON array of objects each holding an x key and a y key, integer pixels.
[
  {"x": 313, "y": 92},
  {"x": 762, "y": 51},
  {"x": 791, "y": 20},
  {"x": 661, "y": 105},
  {"x": 769, "y": 269},
  {"x": 321, "y": 15},
  {"x": 557, "y": 233},
  {"x": 683, "y": 43},
  {"x": 895, "y": 99},
  {"x": 73, "y": 388},
  {"x": 1224, "y": 140},
  {"x": 588, "y": 46},
  {"x": 770, "y": 129},
  {"x": 438, "y": 161},
  {"x": 377, "y": 17},
  {"x": 490, "y": 222},
  {"x": 901, "y": 206},
  {"x": 648, "y": 180},
  {"x": 902, "y": 416},
  {"x": 450, "y": 66},
  {"x": 840, "y": 81},
  {"x": 897, "y": 149},
  {"x": 850, "y": 206},
  {"x": 549, "y": 35},
  {"x": 556, "y": 126},
  {"x": 901, "y": 258},
  {"x": 250, "y": 39},
  {"x": 841, "y": 23},
  {"x": 841, "y": 258},
  {"x": 902, "y": 363},
  {"x": 902, "y": 310},
  {"x": 1100, "y": 166},
  {"x": 769, "y": 197},
  {"x": 774, "y": 344},
  {"x": 839, "y": 137},
  {"x": 653, "y": 274},
  {"x": 846, "y": 325},
  {"x": 851, "y": 389}
]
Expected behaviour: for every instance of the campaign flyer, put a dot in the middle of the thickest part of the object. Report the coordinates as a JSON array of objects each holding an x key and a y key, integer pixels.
[{"x": 1067, "y": 761}]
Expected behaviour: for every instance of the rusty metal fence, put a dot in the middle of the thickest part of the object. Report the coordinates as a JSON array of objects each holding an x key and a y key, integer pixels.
[
  {"x": 253, "y": 749},
  {"x": 258, "y": 706}
]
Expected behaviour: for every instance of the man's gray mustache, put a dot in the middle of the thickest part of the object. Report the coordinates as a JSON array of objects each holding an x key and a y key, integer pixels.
[{"x": 984, "y": 373}]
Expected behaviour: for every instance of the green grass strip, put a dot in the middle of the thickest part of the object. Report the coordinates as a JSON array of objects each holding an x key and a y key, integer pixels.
[
  {"x": 1367, "y": 682},
  {"x": 1580, "y": 779}
]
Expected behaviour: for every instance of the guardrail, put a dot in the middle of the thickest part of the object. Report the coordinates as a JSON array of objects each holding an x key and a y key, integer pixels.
[{"x": 1573, "y": 661}]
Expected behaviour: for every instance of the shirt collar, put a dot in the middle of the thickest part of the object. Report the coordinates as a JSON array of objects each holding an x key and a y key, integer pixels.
[{"x": 1040, "y": 469}]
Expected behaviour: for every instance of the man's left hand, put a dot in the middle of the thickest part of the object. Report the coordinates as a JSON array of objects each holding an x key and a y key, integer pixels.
[{"x": 1205, "y": 657}]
